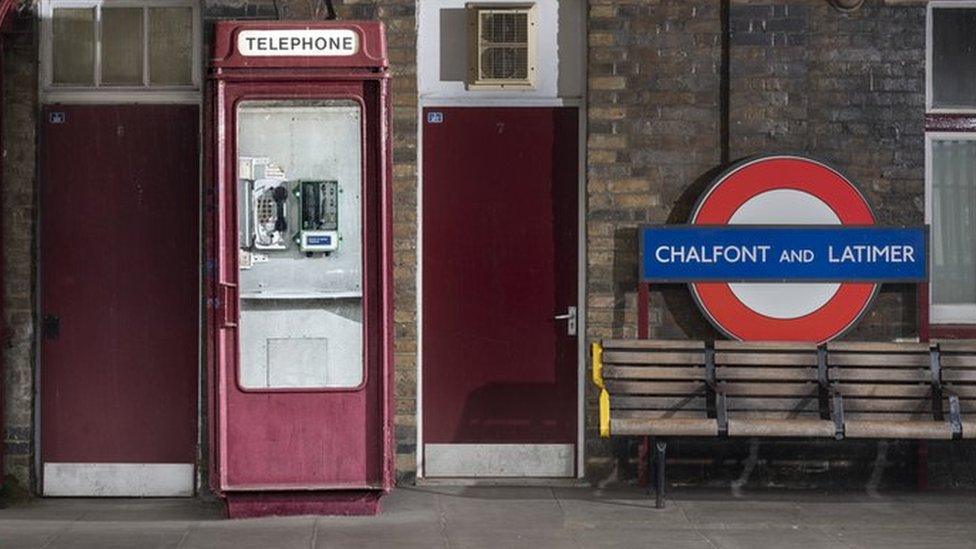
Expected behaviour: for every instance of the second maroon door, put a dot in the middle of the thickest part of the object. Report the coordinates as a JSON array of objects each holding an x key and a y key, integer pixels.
[{"x": 499, "y": 264}]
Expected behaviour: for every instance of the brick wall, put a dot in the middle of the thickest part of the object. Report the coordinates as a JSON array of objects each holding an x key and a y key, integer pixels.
[
  {"x": 19, "y": 229},
  {"x": 653, "y": 117},
  {"x": 802, "y": 77}
]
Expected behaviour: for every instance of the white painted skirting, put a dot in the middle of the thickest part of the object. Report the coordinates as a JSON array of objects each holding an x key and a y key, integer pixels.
[
  {"x": 499, "y": 460},
  {"x": 118, "y": 479}
]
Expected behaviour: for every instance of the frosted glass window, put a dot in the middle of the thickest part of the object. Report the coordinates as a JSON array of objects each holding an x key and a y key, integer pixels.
[
  {"x": 122, "y": 46},
  {"x": 301, "y": 310},
  {"x": 73, "y": 46},
  {"x": 953, "y": 57},
  {"x": 953, "y": 221},
  {"x": 170, "y": 46}
]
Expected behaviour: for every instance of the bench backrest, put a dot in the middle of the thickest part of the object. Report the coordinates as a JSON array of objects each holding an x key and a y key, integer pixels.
[
  {"x": 655, "y": 379},
  {"x": 768, "y": 380},
  {"x": 882, "y": 381}
]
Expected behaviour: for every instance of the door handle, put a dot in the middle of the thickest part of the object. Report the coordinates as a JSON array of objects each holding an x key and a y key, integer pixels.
[{"x": 570, "y": 318}]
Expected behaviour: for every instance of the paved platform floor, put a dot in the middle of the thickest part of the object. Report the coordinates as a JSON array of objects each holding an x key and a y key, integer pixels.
[{"x": 495, "y": 517}]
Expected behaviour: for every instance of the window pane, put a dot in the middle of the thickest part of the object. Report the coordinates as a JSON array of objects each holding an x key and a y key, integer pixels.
[
  {"x": 953, "y": 57},
  {"x": 300, "y": 248},
  {"x": 170, "y": 46},
  {"x": 953, "y": 222},
  {"x": 122, "y": 42},
  {"x": 74, "y": 46}
]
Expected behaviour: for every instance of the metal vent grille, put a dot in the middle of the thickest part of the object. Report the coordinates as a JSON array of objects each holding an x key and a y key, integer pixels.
[{"x": 503, "y": 47}]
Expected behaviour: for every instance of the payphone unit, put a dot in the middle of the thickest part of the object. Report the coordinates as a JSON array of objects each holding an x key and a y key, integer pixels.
[{"x": 301, "y": 307}]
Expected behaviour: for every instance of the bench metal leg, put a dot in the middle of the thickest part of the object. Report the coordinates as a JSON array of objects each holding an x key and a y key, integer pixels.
[{"x": 661, "y": 449}]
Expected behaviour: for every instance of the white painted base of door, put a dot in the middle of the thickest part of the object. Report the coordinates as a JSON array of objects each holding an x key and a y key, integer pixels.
[
  {"x": 499, "y": 460},
  {"x": 118, "y": 479}
]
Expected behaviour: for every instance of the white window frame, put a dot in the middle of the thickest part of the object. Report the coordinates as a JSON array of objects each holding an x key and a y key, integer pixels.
[
  {"x": 96, "y": 93},
  {"x": 928, "y": 54},
  {"x": 943, "y": 314}
]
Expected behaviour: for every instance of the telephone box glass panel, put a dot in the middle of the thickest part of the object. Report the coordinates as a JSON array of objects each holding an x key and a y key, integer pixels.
[{"x": 299, "y": 175}]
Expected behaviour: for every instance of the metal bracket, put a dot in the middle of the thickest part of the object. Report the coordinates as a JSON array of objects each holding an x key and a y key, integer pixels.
[
  {"x": 935, "y": 370},
  {"x": 823, "y": 391},
  {"x": 710, "y": 367},
  {"x": 722, "y": 413},
  {"x": 838, "y": 415},
  {"x": 955, "y": 421}
]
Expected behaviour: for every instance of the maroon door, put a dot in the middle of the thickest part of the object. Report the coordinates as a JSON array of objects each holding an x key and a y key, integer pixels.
[
  {"x": 119, "y": 295},
  {"x": 499, "y": 264}
]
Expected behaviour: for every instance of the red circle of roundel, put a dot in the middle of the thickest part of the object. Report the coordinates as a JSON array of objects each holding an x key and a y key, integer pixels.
[{"x": 742, "y": 183}]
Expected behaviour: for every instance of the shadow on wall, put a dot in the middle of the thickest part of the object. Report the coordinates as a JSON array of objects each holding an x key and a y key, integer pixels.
[{"x": 677, "y": 314}]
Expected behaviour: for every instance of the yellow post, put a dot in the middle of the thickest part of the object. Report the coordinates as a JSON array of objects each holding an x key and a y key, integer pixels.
[{"x": 597, "y": 351}]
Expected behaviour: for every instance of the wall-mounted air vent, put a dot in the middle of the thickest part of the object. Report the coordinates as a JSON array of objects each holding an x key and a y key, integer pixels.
[{"x": 502, "y": 51}]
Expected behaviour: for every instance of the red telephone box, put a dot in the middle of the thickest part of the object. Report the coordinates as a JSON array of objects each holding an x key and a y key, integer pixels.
[{"x": 300, "y": 311}]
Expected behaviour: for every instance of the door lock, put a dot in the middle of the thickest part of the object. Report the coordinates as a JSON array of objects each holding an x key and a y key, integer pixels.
[
  {"x": 570, "y": 318},
  {"x": 51, "y": 326}
]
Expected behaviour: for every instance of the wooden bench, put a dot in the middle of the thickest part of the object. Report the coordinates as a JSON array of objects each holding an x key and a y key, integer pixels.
[{"x": 784, "y": 390}]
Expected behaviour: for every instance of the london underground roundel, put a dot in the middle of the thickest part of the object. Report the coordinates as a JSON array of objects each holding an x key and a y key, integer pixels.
[{"x": 782, "y": 190}]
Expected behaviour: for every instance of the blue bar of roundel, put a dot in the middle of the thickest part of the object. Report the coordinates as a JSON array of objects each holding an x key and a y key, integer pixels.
[{"x": 815, "y": 253}]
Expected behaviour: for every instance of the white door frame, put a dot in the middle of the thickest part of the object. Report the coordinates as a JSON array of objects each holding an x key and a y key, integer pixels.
[{"x": 547, "y": 451}]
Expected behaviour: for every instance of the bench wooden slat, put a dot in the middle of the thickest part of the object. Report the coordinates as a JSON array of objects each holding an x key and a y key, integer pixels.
[
  {"x": 884, "y": 405},
  {"x": 773, "y": 404},
  {"x": 621, "y": 357},
  {"x": 879, "y": 374},
  {"x": 723, "y": 345},
  {"x": 878, "y": 347},
  {"x": 886, "y": 360},
  {"x": 660, "y": 414},
  {"x": 774, "y": 414},
  {"x": 888, "y": 416},
  {"x": 958, "y": 346},
  {"x": 621, "y": 402},
  {"x": 884, "y": 391},
  {"x": 767, "y": 389},
  {"x": 897, "y": 429},
  {"x": 957, "y": 361},
  {"x": 765, "y": 374},
  {"x": 652, "y": 344},
  {"x": 652, "y": 372},
  {"x": 962, "y": 391},
  {"x": 773, "y": 359},
  {"x": 665, "y": 427},
  {"x": 959, "y": 375},
  {"x": 813, "y": 428},
  {"x": 654, "y": 387}
]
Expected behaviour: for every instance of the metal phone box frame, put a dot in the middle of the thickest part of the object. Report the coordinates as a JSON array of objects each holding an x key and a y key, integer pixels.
[{"x": 296, "y": 425}]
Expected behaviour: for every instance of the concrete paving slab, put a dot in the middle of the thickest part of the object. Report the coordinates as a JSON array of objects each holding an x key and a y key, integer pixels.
[
  {"x": 537, "y": 517},
  {"x": 120, "y": 535},
  {"x": 24, "y": 533},
  {"x": 629, "y": 538},
  {"x": 263, "y": 533},
  {"x": 770, "y": 538}
]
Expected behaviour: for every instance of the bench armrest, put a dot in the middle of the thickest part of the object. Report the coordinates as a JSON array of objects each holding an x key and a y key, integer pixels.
[{"x": 597, "y": 352}]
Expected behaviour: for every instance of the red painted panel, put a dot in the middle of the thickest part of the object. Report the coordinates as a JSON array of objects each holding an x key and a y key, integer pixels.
[
  {"x": 371, "y": 52},
  {"x": 499, "y": 262},
  {"x": 119, "y": 267},
  {"x": 298, "y": 439}
]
